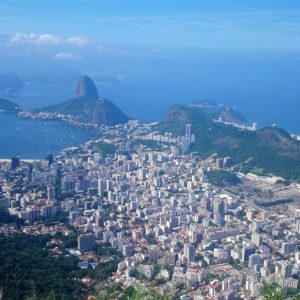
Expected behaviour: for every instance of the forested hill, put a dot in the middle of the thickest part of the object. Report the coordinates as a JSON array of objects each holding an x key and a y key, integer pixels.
[
  {"x": 90, "y": 110},
  {"x": 272, "y": 150},
  {"x": 88, "y": 107}
]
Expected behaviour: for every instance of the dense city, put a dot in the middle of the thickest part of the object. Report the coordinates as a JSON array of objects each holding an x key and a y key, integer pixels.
[{"x": 155, "y": 205}]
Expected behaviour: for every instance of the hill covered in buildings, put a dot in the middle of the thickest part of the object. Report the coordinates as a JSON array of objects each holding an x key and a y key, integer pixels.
[{"x": 269, "y": 150}]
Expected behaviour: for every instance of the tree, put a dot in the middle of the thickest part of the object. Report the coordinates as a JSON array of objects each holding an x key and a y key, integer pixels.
[
  {"x": 270, "y": 292},
  {"x": 143, "y": 293}
]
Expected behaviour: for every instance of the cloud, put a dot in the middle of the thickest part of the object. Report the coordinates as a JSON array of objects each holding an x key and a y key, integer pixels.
[
  {"x": 33, "y": 38},
  {"x": 77, "y": 40},
  {"x": 20, "y": 37},
  {"x": 46, "y": 39},
  {"x": 66, "y": 56}
]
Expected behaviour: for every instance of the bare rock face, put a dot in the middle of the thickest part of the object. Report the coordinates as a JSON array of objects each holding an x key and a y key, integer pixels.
[{"x": 86, "y": 87}]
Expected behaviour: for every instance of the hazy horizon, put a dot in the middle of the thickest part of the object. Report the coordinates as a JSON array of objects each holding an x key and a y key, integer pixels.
[{"x": 145, "y": 56}]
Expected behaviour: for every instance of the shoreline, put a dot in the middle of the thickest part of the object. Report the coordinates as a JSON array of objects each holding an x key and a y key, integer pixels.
[
  {"x": 27, "y": 160},
  {"x": 97, "y": 128},
  {"x": 52, "y": 133}
]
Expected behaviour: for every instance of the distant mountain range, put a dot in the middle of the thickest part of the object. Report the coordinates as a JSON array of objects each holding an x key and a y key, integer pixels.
[
  {"x": 88, "y": 107},
  {"x": 267, "y": 150}
]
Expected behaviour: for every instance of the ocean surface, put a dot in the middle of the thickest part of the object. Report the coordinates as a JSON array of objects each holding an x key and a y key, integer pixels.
[
  {"x": 35, "y": 139},
  {"x": 264, "y": 86}
]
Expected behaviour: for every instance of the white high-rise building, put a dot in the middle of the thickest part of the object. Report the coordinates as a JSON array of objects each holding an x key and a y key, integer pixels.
[
  {"x": 101, "y": 185},
  {"x": 188, "y": 130}
]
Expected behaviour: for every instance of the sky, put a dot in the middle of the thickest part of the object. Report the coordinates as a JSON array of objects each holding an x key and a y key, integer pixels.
[
  {"x": 73, "y": 29},
  {"x": 142, "y": 52}
]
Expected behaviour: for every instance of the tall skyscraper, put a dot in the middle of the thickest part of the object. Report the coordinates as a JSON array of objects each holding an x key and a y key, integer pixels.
[
  {"x": 50, "y": 160},
  {"x": 219, "y": 207},
  {"x": 188, "y": 130},
  {"x": 127, "y": 250},
  {"x": 50, "y": 192},
  {"x": 203, "y": 207},
  {"x": 86, "y": 242},
  {"x": 246, "y": 252},
  {"x": 101, "y": 187},
  {"x": 256, "y": 239},
  {"x": 189, "y": 252},
  {"x": 109, "y": 185},
  {"x": 15, "y": 162},
  {"x": 286, "y": 269}
]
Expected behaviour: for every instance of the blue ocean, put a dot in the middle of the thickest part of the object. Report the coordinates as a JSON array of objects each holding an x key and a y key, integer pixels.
[
  {"x": 34, "y": 139},
  {"x": 263, "y": 86}
]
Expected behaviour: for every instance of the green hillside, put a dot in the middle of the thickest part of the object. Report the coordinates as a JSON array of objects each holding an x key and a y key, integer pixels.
[
  {"x": 104, "y": 148},
  {"x": 90, "y": 110},
  {"x": 229, "y": 114},
  {"x": 270, "y": 149}
]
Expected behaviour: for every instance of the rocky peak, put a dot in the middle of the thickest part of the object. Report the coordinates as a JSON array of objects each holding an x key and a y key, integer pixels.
[{"x": 86, "y": 87}]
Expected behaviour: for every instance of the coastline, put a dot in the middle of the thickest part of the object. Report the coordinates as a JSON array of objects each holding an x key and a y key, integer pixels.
[
  {"x": 26, "y": 160},
  {"x": 67, "y": 119},
  {"x": 33, "y": 140}
]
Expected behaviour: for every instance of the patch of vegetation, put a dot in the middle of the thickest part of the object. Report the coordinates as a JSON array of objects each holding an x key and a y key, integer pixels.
[
  {"x": 116, "y": 291},
  {"x": 60, "y": 217},
  {"x": 222, "y": 178},
  {"x": 28, "y": 269},
  {"x": 284, "y": 182},
  {"x": 143, "y": 293},
  {"x": 104, "y": 270},
  {"x": 272, "y": 292},
  {"x": 69, "y": 241},
  {"x": 293, "y": 292},
  {"x": 7, "y": 218},
  {"x": 151, "y": 239},
  {"x": 110, "y": 292},
  {"x": 229, "y": 114},
  {"x": 153, "y": 145},
  {"x": 89, "y": 109},
  {"x": 236, "y": 264},
  {"x": 258, "y": 171},
  {"x": 273, "y": 202},
  {"x": 104, "y": 148}
]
